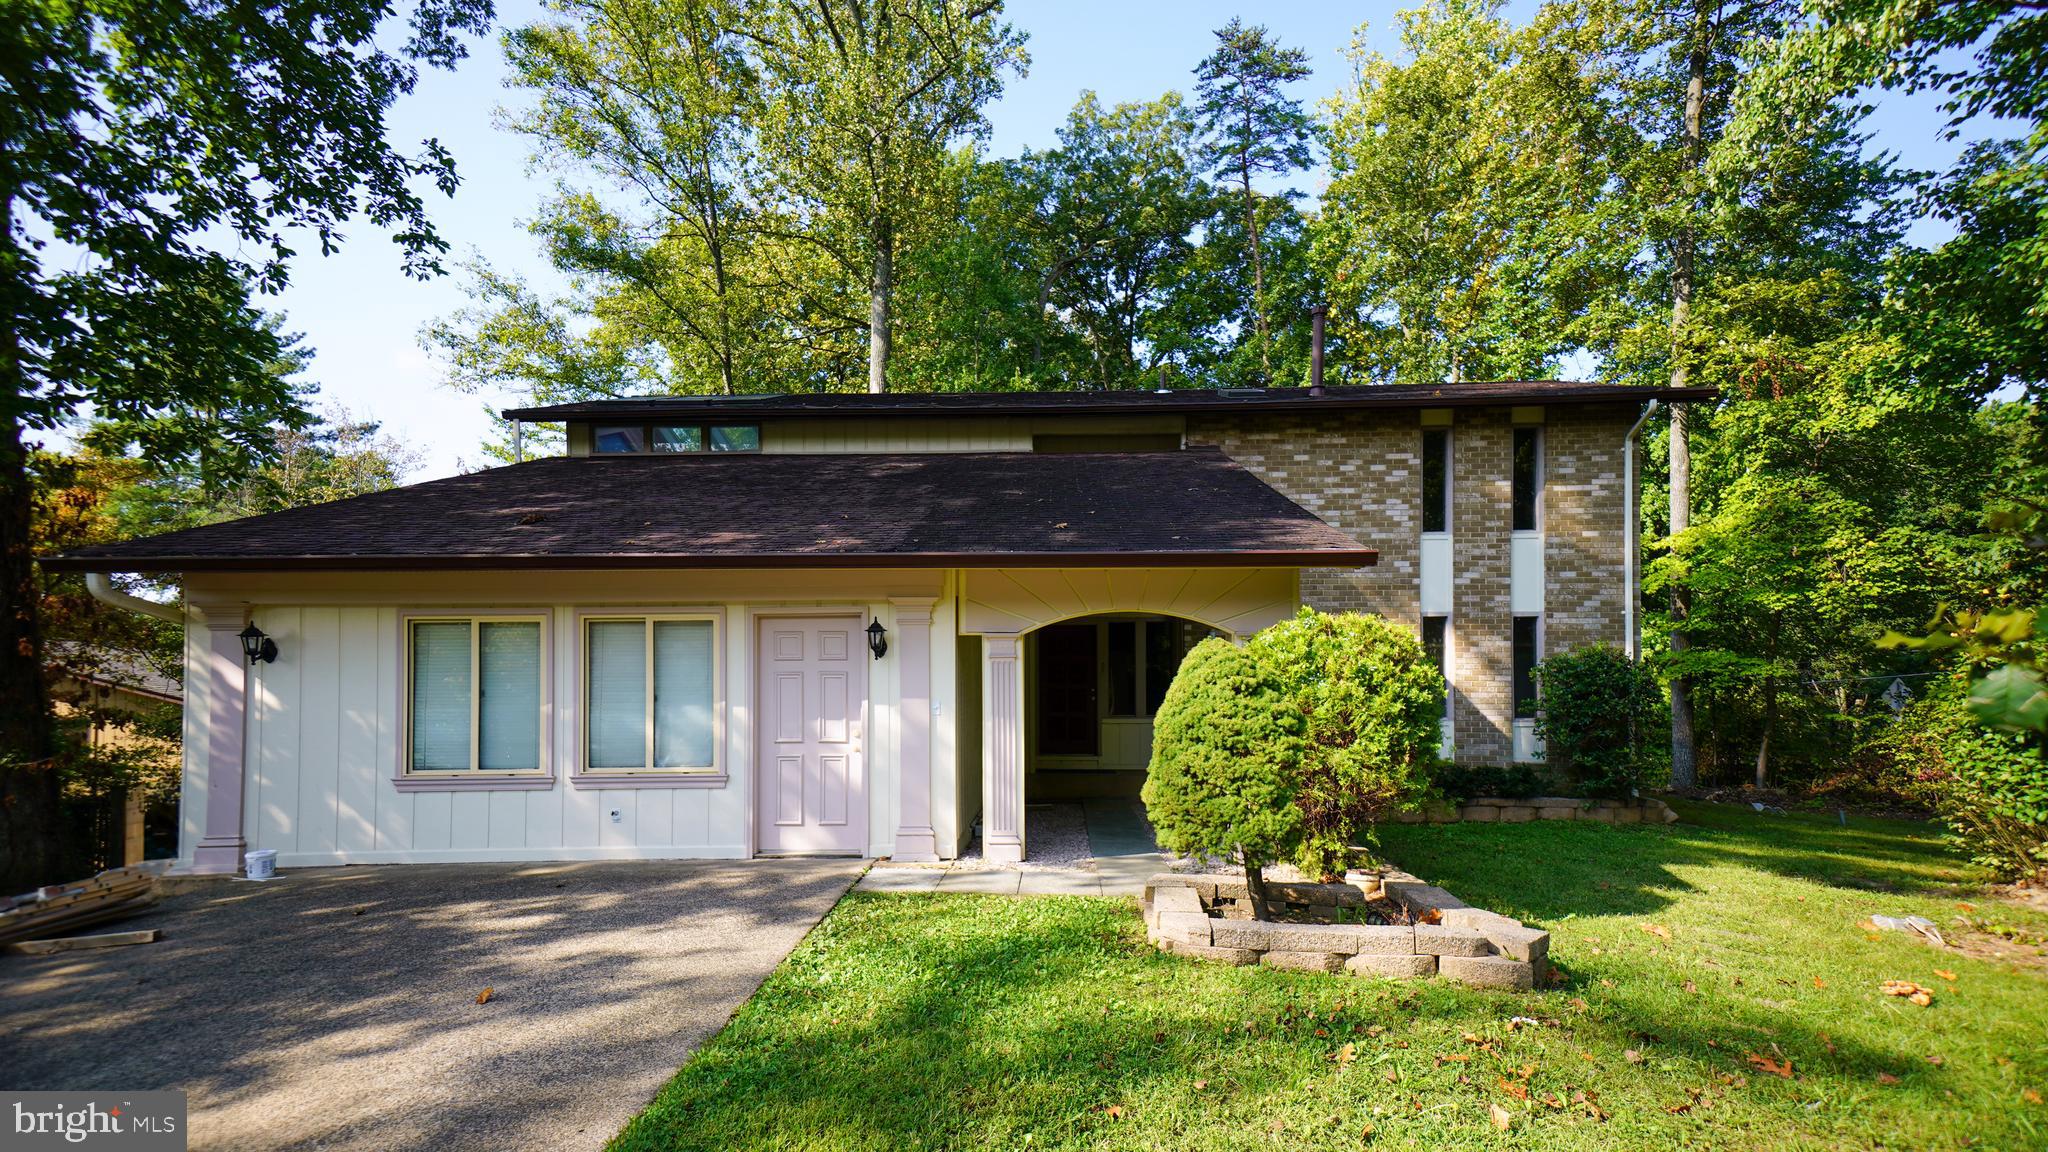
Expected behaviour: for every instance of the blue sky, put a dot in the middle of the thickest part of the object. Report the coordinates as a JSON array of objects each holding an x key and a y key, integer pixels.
[{"x": 362, "y": 316}]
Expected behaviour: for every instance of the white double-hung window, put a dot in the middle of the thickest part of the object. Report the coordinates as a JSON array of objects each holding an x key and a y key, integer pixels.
[
  {"x": 650, "y": 694},
  {"x": 474, "y": 700}
]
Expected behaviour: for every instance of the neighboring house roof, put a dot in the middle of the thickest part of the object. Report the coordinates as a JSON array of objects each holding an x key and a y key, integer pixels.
[
  {"x": 1098, "y": 403},
  {"x": 1013, "y": 509},
  {"x": 113, "y": 668}
]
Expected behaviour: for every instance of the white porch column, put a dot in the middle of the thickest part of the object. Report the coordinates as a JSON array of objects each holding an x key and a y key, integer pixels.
[
  {"x": 915, "y": 839},
  {"x": 1002, "y": 749},
  {"x": 226, "y": 670}
]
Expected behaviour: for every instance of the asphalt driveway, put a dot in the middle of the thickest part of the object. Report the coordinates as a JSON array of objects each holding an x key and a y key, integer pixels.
[{"x": 337, "y": 1008}]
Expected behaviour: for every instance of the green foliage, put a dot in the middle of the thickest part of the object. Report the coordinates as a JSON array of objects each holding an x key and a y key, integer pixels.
[
  {"x": 1464, "y": 781},
  {"x": 1226, "y": 743},
  {"x": 1990, "y": 787},
  {"x": 1468, "y": 215},
  {"x": 1373, "y": 702},
  {"x": 1253, "y": 128},
  {"x": 1600, "y": 715}
]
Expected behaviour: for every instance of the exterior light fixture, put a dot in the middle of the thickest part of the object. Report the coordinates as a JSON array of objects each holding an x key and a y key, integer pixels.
[
  {"x": 256, "y": 646},
  {"x": 878, "y": 639}
]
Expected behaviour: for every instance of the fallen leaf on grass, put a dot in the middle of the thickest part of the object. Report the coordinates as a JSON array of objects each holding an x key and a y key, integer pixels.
[
  {"x": 1392, "y": 1077},
  {"x": 1518, "y": 1091},
  {"x": 1443, "y": 1059},
  {"x": 1691, "y": 987},
  {"x": 1966, "y": 907},
  {"x": 1632, "y": 1056},
  {"x": 1819, "y": 983},
  {"x": 1114, "y": 1111},
  {"x": 1887, "y": 1078},
  {"x": 1606, "y": 983},
  {"x": 484, "y": 997},
  {"x": 1658, "y": 930},
  {"x": 1579, "y": 1002},
  {"x": 1201, "y": 1084},
  {"x": 1945, "y": 974},
  {"x": 2030, "y": 1096},
  {"x": 1918, "y": 994},
  {"x": 1937, "y": 1061},
  {"x": 1346, "y": 1054},
  {"x": 1502, "y": 1118},
  {"x": 1763, "y": 1063},
  {"x": 1680, "y": 1109}
]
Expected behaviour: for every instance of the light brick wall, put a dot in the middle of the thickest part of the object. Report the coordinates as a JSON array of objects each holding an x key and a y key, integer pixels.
[
  {"x": 1360, "y": 471},
  {"x": 1583, "y": 540},
  {"x": 1482, "y": 628}
]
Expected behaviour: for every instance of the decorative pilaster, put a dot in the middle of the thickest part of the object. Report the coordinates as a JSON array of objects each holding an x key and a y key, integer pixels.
[
  {"x": 227, "y": 704},
  {"x": 1002, "y": 749},
  {"x": 915, "y": 839}
]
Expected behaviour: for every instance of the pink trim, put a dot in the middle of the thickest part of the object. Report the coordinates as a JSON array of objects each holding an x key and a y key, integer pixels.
[
  {"x": 219, "y": 851},
  {"x": 467, "y": 781},
  {"x": 719, "y": 772},
  {"x": 472, "y": 782},
  {"x": 915, "y": 839},
  {"x": 650, "y": 780},
  {"x": 1002, "y": 712}
]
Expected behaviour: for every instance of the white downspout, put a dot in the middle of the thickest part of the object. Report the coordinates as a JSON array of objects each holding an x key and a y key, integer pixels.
[
  {"x": 103, "y": 590},
  {"x": 1631, "y": 521}
]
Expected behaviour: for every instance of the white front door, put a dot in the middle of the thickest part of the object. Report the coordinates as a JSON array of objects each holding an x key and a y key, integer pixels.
[{"x": 812, "y": 694}]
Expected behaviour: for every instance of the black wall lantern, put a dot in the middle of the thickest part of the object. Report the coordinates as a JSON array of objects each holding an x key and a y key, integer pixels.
[
  {"x": 878, "y": 639},
  {"x": 256, "y": 646}
]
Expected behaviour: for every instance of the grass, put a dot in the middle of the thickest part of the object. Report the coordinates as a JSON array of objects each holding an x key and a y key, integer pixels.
[{"x": 958, "y": 1022}]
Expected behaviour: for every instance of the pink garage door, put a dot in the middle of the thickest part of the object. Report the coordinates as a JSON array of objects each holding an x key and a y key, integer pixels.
[{"x": 812, "y": 694}]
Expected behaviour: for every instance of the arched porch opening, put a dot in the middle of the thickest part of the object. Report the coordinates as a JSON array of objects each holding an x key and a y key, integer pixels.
[{"x": 1072, "y": 663}]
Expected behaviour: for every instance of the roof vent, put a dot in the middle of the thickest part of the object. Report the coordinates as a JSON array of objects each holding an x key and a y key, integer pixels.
[{"x": 1240, "y": 392}]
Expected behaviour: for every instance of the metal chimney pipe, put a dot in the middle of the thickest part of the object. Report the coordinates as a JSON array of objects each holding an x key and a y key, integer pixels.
[{"x": 1317, "y": 315}]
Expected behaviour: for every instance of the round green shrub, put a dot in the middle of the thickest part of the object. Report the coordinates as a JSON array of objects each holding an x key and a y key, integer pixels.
[
  {"x": 1225, "y": 742},
  {"x": 1599, "y": 716},
  {"x": 1373, "y": 703}
]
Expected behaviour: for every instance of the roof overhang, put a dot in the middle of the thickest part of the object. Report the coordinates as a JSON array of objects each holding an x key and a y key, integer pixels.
[{"x": 1189, "y": 509}]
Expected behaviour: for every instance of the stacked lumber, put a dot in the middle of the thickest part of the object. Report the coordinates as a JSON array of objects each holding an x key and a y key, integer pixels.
[{"x": 62, "y": 908}]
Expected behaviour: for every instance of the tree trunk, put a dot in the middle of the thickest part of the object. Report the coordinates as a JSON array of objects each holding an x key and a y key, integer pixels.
[
  {"x": 1255, "y": 888},
  {"x": 28, "y": 777},
  {"x": 1763, "y": 748},
  {"x": 879, "y": 289},
  {"x": 1684, "y": 257},
  {"x": 1251, "y": 231}
]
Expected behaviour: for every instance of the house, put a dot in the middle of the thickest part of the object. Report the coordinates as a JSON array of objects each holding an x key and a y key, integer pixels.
[
  {"x": 111, "y": 688},
  {"x": 729, "y": 626}
]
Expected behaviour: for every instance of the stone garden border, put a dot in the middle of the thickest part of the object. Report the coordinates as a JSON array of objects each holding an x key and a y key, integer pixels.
[{"x": 1209, "y": 918}]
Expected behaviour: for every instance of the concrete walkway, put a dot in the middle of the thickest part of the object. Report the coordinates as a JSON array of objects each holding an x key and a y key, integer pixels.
[
  {"x": 337, "y": 1008},
  {"x": 1122, "y": 856}
]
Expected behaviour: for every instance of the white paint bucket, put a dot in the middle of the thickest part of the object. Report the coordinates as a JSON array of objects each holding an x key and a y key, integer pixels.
[{"x": 260, "y": 864}]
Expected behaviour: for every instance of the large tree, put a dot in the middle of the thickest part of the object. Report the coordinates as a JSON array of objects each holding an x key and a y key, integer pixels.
[
  {"x": 1468, "y": 226},
  {"x": 133, "y": 136},
  {"x": 1253, "y": 129},
  {"x": 860, "y": 101}
]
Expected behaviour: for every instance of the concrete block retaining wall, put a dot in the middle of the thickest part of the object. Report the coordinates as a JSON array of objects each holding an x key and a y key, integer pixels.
[
  {"x": 1499, "y": 810},
  {"x": 1209, "y": 918}
]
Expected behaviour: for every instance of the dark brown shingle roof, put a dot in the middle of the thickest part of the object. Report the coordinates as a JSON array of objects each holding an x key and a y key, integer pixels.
[
  {"x": 1098, "y": 403},
  {"x": 753, "y": 511}
]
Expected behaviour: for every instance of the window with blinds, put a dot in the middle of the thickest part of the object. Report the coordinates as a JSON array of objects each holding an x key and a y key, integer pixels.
[
  {"x": 649, "y": 694},
  {"x": 473, "y": 695}
]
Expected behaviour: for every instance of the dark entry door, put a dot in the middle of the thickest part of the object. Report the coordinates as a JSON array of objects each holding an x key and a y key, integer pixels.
[{"x": 1067, "y": 723}]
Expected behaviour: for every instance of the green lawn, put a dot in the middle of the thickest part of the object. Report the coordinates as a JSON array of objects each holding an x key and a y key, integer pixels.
[{"x": 908, "y": 1022}]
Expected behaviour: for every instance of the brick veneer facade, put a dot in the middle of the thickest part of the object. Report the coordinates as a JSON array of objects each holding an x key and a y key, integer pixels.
[
  {"x": 1361, "y": 471},
  {"x": 1583, "y": 543}
]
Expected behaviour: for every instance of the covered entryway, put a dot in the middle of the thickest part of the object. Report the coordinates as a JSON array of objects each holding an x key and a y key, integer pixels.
[
  {"x": 1073, "y": 663},
  {"x": 1095, "y": 684},
  {"x": 812, "y": 699}
]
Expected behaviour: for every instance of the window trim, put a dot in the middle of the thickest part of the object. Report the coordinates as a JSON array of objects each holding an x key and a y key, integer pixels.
[
  {"x": 1541, "y": 452},
  {"x": 1449, "y": 472},
  {"x": 703, "y": 427},
  {"x": 474, "y": 779},
  {"x": 716, "y": 775},
  {"x": 1536, "y": 657}
]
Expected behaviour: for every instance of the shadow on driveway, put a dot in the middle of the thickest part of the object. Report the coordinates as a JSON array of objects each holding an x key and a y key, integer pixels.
[{"x": 337, "y": 1007}]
